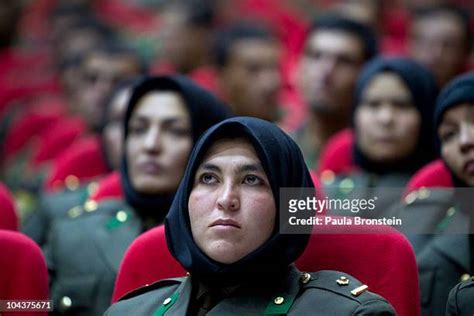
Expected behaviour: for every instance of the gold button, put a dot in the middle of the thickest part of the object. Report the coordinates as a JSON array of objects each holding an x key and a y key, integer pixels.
[
  {"x": 327, "y": 177},
  {"x": 121, "y": 216},
  {"x": 72, "y": 182},
  {"x": 305, "y": 278},
  {"x": 464, "y": 277},
  {"x": 423, "y": 193},
  {"x": 450, "y": 212},
  {"x": 411, "y": 197},
  {"x": 342, "y": 280},
  {"x": 167, "y": 301},
  {"x": 92, "y": 187},
  {"x": 90, "y": 206},
  {"x": 66, "y": 302},
  {"x": 278, "y": 300},
  {"x": 74, "y": 212},
  {"x": 346, "y": 185}
]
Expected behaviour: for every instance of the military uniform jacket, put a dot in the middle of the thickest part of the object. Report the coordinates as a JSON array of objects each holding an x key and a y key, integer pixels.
[
  {"x": 442, "y": 248},
  {"x": 321, "y": 293},
  {"x": 52, "y": 206},
  {"x": 461, "y": 299},
  {"x": 385, "y": 189},
  {"x": 84, "y": 253}
]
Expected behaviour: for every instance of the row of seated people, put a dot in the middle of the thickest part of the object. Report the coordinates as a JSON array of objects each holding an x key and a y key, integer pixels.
[
  {"x": 335, "y": 251},
  {"x": 93, "y": 208}
]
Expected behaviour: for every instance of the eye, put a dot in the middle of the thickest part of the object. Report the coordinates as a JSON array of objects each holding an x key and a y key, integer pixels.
[
  {"x": 252, "y": 180},
  {"x": 371, "y": 103},
  {"x": 180, "y": 131},
  {"x": 136, "y": 129},
  {"x": 447, "y": 135},
  {"x": 208, "y": 178}
]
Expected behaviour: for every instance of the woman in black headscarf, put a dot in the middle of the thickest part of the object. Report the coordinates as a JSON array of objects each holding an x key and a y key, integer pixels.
[
  {"x": 224, "y": 227},
  {"x": 392, "y": 119},
  {"x": 441, "y": 225},
  {"x": 164, "y": 118},
  {"x": 203, "y": 110}
]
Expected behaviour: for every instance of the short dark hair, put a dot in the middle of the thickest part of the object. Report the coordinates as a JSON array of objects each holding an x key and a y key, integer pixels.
[
  {"x": 234, "y": 33},
  {"x": 461, "y": 15},
  {"x": 199, "y": 13},
  {"x": 338, "y": 23}
]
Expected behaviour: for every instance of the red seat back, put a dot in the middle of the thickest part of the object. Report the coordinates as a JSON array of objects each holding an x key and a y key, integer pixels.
[
  {"x": 109, "y": 187},
  {"x": 147, "y": 260},
  {"x": 378, "y": 256},
  {"x": 57, "y": 139},
  {"x": 433, "y": 175},
  {"x": 23, "y": 272},
  {"x": 83, "y": 160},
  {"x": 336, "y": 156}
]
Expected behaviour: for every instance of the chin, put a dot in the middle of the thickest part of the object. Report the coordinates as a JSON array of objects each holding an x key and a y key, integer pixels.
[{"x": 153, "y": 187}]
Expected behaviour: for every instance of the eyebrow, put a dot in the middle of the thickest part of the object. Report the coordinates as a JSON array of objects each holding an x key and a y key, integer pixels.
[
  {"x": 240, "y": 169},
  {"x": 170, "y": 120}
]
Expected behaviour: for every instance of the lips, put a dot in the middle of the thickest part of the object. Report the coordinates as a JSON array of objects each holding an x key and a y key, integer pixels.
[
  {"x": 469, "y": 167},
  {"x": 151, "y": 167},
  {"x": 225, "y": 222}
]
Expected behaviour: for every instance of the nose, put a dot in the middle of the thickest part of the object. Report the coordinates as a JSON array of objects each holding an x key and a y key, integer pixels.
[
  {"x": 152, "y": 141},
  {"x": 385, "y": 114},
  {"x": 466, "y": 137},
  {"x": 228, "y": 199}
]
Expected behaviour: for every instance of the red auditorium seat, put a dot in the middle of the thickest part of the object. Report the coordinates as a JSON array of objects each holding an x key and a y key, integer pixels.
[
  {"x": 108, "y": 187},
  {"x": 146, "y": 261},
  {"x": 82, "y": 161},
  {"x": 24, "y": 129},
  {"x": 433, "y": 175},
  {"x": 8, "y": 216},
  {"x": 23, "y": 272},
  {"x": 336, "y": 156},
  {"x": 379, "y": 256},
  {"x": 57, "y": 139}
]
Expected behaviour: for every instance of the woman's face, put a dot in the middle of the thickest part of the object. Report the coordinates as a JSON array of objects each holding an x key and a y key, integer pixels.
[
  {"x": 231, "y": 206},
  {"x": 113, "y": 131},
  {"x": 387, "y": 122},
  {"x": 158, "y": 143},
  {"x": 456, "y": 133}
]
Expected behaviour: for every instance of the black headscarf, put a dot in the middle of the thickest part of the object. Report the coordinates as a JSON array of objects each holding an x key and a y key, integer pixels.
[
  {"x": 285, "y": 167},
  {"x": 205, "y": 110},
  {"x": 423, "y": 89},
  {"x": 460, "y": 90}
]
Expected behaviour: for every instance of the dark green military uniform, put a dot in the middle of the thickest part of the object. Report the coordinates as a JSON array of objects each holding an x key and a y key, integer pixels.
[
  {"x": 52, "y": 206},
  {"x": 84, "y": 254},
  {"x": 386, "y": 189},
  {"x": 443, "y": 250},
  {"x": 461, "y": 299},
  {"x": 320, "y": 293}
]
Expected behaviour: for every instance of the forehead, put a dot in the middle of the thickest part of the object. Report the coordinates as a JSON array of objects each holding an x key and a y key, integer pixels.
[
  {"x": 386, "y": 83},
  {"x": 335, "y": 41},
  {"x": 440, "y": 23},
  {"x": 231, "y": 148},
  {"x": 253, "y": 48},
  {"x": 459, "y": 113},
  {"x": 161, "y": 104}
]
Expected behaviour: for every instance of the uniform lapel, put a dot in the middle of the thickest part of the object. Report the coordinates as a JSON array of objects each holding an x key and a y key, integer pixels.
[
  {"x": 454, "y": 242},
  {"x": 113, "y": 237}
]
